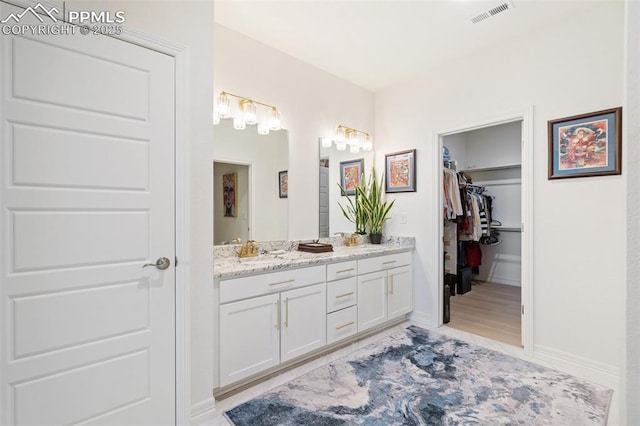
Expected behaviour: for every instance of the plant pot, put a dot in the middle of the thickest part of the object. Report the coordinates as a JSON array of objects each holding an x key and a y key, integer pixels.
[{"x": 375, "y": 238}]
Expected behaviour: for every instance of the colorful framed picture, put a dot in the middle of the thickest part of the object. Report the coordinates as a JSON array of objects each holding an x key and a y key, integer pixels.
[
  {"x": 586, "y": 145},
  {"x": 400, "y": 171},
  {"x": 283, "y": 184},
  {"x": 229, "y": 183},
  {"x": 350, "y": 173}
]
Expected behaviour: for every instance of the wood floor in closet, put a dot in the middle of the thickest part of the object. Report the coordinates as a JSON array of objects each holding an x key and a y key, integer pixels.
[{"x": 490, "y": 310}]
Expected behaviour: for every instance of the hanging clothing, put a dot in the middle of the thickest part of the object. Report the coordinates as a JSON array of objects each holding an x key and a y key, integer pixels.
[{"x": 452, "y": 200}]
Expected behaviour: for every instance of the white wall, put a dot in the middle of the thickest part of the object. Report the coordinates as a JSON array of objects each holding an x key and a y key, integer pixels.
[
  {"x": 578, "y": 224},
  {"x": 189, "y": 23},
  {"x": 312, "y": 102},
  {"x": 494, "y": 146},
  {"x": 632, "y": 155}
]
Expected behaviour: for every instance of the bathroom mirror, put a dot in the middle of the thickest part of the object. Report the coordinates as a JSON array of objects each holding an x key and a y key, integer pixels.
[
  {"x": 331, "y": 218},
  {"x": 248, "y": 201}
]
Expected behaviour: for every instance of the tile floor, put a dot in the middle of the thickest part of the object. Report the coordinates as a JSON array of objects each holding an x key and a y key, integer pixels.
[{"x": 239, "y": 398}]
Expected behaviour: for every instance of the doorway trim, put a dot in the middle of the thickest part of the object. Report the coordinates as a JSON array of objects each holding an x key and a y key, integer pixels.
[
  {"x": 526, "y": 117},
  {"x": 182, "y": 205}
]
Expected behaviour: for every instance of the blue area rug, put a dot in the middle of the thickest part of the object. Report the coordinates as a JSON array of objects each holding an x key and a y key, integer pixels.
[{"x": 418, "y": 377}]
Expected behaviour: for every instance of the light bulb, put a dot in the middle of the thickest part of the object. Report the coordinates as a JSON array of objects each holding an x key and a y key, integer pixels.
[
  {"x": 354, "y": 148},
  {"x": 248, "y": 109},
  {"x": 274, "y": 119},
  {"x": 224, "y": 110},
  {"x": 239, "y": 124},
  {"x": 263, "y": 129},
  {"x": 340, "y": 134},
  {"x": 341, "y": 146},
  {"x": 216, "y": 117},
  {"x": 354, "y": 140},
  {"x": 326, "y": 142},
  {"x": 367, "y": 143}
]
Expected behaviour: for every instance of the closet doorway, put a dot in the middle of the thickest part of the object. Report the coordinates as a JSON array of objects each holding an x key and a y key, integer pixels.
[{"x": 484, "y": 189}]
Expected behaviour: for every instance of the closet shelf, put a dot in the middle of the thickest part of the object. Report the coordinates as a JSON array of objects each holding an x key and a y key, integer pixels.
[
  {"x": 489, "y": 169},
  {"x": 507, "y": 228}
]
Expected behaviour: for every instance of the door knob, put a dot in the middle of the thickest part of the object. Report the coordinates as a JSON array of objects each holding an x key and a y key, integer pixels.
[{"x": 162, "y": 263}]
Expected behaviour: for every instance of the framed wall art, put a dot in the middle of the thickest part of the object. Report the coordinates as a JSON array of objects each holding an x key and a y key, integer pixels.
[
  {"x": 229, "y": 184},
  {"x": 283, "y": 184},
  {"x": 586, "y": 145},
  {"x": 400, "y": 171},
  {"x": 350, "y": 173}
]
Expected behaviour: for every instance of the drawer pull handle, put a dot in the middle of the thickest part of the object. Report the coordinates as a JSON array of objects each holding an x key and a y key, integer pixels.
[
  {"x": 338, "y": 327},
  {"x": 342, "y": 271},
  {"x": 344, "y": 295},
  {"x": 389, "y": 262},
  {"x": 283, "y": 282}
]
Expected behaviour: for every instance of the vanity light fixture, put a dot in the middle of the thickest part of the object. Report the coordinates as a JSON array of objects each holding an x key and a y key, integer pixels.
[
  {"x": 356, "y": 139},
  {"x": 247, "y": 114}
]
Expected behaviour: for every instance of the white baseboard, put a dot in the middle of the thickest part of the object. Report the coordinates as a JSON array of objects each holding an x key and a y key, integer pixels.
[
  {"x": 504, "y": 280},
  {"x": 203, "y": 411},
  {"x": 588, "y": 369}
]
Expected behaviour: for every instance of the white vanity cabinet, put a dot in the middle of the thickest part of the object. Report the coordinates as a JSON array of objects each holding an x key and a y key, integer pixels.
[
  {"x": 273, "y": 318},
  {"x": 385, "y": 289},
  {"x": 303, "y": 321},
  {"x": 268, "y": 319},
  {"x": 249, "y": 337},
  {"x": 342, "y": 313}
]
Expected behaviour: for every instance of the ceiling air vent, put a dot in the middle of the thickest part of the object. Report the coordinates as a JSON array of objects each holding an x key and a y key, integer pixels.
[{"x": 502, "y": 7}]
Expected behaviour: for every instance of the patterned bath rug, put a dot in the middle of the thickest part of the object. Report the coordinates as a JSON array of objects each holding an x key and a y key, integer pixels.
[{"x": 419, "y": 377}]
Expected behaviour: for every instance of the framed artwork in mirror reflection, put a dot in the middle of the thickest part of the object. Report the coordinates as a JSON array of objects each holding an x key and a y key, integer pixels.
[
  {"x": 283, "y": 184},
  {"x": 350, "y": 173},
  {"x": 229, "y": 184}
]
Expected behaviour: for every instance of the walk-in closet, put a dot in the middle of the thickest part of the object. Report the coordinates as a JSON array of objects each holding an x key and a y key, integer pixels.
[{"x": 482, "y": 198}]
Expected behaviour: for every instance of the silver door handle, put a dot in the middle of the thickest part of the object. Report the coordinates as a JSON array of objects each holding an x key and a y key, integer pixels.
[{"x": 162, "y": 263}]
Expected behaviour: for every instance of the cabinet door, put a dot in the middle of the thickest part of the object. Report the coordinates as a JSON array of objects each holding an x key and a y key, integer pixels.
[
  {"x": 249, "y": 337},
  {"x": 399, "y": 291},
  {"x": 372, "y": 300},
  {"x": 303, "y": 320}
]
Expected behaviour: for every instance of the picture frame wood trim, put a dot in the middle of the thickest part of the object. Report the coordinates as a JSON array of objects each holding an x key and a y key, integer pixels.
[
  {"x": 616, "y": 144},
  {"x": 411, "y": 187}
]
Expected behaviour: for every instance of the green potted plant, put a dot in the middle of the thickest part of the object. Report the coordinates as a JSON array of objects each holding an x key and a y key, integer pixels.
[
  {"x": 354, "y": 211},
  {"x": 376, "y": 209}
]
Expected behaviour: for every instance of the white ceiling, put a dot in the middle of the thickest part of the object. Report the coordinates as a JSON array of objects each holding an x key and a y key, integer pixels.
[{"x": 376, "y": 43}]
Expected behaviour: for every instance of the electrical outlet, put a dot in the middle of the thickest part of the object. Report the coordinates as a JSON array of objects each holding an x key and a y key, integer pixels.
[{"x": 403, "y": 218}]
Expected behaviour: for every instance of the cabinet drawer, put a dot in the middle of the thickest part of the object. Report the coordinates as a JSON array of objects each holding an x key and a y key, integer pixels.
[
  {"x": 342, "y": 324},
  {"x": 242, "y": 288},
  {"x": 337, "y": 271},
  {"x": 381, "y": 263},
  {"x": 341, "y": 294}
]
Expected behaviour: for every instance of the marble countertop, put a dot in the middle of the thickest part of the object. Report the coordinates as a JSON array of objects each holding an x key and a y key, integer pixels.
[{"x": 233, "y": 267}]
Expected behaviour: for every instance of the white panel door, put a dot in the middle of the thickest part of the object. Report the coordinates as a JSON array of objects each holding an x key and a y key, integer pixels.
[
  {"x": 304, "y": 320},
  {"x": 249, "y": 337},
  {"x": 399, "y": 292},
  {"x": 372, "y": 299},
  {"x": 87, "y": 198}
]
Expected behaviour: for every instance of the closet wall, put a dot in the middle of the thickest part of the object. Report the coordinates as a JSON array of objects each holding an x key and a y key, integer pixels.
[{"x": 491, "y": 157}]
